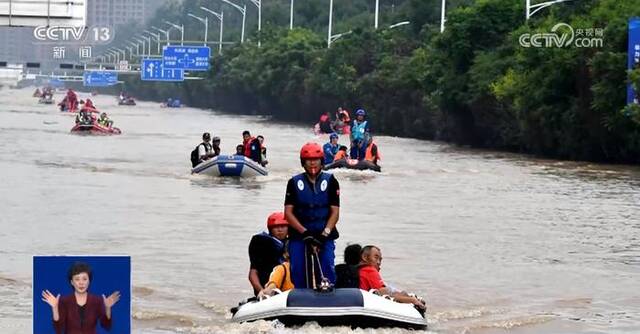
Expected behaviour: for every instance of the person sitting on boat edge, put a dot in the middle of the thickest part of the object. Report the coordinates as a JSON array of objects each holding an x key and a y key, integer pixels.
[
  {"x": 341, "y": 154},
  {"x": 370, "y": 279},
  {"x": 372, "y": 153},
  {"x": 266, "y": 249},
  {"x": 105, "y": 121},
  {"x": 240, "y": 150},
  {"x": 331, "y": 148},
  {"x": 215, "y": 146},
  {"x": 347, "y": 275},
  {"x": 83, "y": 117},
  {"x": 251, "y": 147},
  {"x": 280, "y": 277},
  {"x": 202, "y": 152},
  {"x": 263, "y": 151},
  {"x": 312, "y": 208}
]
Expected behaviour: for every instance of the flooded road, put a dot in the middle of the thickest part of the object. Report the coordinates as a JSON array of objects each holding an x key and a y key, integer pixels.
[{"x": 496, "y": 242}]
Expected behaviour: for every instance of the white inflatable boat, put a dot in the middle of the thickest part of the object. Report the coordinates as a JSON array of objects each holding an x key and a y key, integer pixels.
[
  {"x": 340, "y": 307},
  {"x": 230, "y": 165}
]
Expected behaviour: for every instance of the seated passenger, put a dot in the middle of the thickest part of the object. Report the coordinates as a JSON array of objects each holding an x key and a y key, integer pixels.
[
  {"x": 280, "y": 277},
  {"x": 370, "y": 279},
  {"x": 372, "y": 154},
  {"x": 347, "y": 275},
  {"x": 240, "y": 150},
  {"x": 104, "y": 120},
  {"x": 252, "y": 147},
  {"x": 330, "y": 149},
  {"x": 266, "y": 251},
  {"x": 342, "y": 153},
  {"x": 263, "y": 151},
  {"x": 215, "y": 146}
]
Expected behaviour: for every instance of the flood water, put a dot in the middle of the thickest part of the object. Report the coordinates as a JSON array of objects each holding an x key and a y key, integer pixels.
[{"x": 496, "y": 242}]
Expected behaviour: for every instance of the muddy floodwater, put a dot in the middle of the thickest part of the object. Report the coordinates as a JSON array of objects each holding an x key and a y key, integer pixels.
[{"x": 496, "y": 242}]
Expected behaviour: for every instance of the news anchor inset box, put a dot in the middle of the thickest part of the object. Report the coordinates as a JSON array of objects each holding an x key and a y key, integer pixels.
[{"x": 109, "y": 285}]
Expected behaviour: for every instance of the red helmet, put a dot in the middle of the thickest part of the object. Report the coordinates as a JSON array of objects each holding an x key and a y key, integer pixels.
[
  {"x": 311, "y": 151},
  {"x": 276, "y": 219}
]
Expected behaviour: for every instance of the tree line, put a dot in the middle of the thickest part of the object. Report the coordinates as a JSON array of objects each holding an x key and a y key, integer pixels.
[{"x": 473, "y": 84}]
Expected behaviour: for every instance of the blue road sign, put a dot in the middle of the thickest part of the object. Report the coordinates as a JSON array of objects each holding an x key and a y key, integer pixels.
[
  {"x": 154, "y": 70},
  {"x": 100, "y": 78},
  {"x": 192, "y": 58}
]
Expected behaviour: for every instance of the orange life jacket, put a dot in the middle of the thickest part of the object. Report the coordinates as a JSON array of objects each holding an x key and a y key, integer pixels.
[
  {"x": 247, "y": 146},
  {"x": 369, "y": 153},
  {"x": 340, "y": 155}
]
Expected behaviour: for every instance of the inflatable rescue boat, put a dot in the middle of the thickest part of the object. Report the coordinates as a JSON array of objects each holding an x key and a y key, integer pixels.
[
  {"x": 339, "y": 307},
  {"x": 230, "y": 165}
]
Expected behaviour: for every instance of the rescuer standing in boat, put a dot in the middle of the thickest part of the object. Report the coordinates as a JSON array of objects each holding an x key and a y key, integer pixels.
[{"x": 312, "y": 207}]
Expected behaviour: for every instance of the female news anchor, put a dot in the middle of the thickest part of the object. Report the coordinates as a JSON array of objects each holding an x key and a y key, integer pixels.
[{"x": 80, "y": 312}]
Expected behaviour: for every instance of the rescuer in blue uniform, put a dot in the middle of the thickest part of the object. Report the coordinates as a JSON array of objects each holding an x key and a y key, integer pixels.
[
  {"x": 312, "y": 207},
  {"x": 359, "y": 130},
  {"x": 331, "y": 148}
]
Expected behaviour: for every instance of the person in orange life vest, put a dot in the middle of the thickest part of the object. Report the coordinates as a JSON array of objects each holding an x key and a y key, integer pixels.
[
  {"x": 312, "y": 208},
  {"x": 372, "y": 153},
  {"x": 252, "y": 147},
  {"x": 266, "y": 250},
  {"x": 280, "y": 277},
  {"x": 342, "y": 153},
  {"x": 370, "y": 279}
]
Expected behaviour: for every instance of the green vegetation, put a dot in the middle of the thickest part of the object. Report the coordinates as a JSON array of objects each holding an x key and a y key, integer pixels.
[{"x": 473, "y": 84}]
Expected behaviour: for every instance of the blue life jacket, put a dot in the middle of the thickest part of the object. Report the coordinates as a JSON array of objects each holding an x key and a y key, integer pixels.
[
  {"x": 358, "y": 130},
  {"x": 312, "y": 209},
  {"x": 329, "y": 152},
  {"x": 277, "y": 244}
]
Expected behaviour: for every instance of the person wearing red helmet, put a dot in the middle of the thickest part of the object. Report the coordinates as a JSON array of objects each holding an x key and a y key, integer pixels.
[
  {"x": 312, "y": 208},
  {"x": 266, "y": 250}
]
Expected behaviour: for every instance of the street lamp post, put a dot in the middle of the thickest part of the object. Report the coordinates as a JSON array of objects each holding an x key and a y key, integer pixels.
[
  {"x": 258, "y": 4},
  {"x": 204, "y": 20},
  {"x": 242, "y": 10},
  {"x": 145, "y": 39},
  {"x": 156, "y": 36},
  {"x": 291, "y": 16},
  {"x": 442, "y": 16},
  {"x": 181, "y": 27},
  {"x": 144, "y": 46},
  {"x": 532, "y": 9},
  {"x": 377, "y": 12},
  {"x": 130, "y": 52},
  {"x": 166, "y": 32},
  {"x": 124, "y": 53},
  {"x": 220, "y": 17},
  {"x": 330, "y": 22},
  {"x": 137, "y": 47},
  {"x": 115, "y": 54}
]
